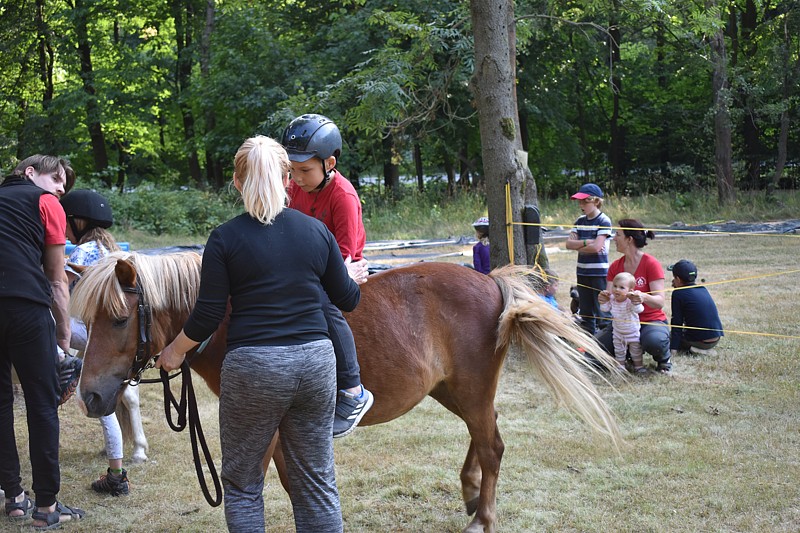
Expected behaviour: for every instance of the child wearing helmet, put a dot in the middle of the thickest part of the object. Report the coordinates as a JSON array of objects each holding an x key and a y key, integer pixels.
[
  {"x": 88, "y": 218},
  {"x": 314, "y": 144},
  {"x": 480, "y": 252}
]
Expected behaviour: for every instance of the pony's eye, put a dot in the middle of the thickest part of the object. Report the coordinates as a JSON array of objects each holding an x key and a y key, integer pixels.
[{"x": 121, "y": 322}]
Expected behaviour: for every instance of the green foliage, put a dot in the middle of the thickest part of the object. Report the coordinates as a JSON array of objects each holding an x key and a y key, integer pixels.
[
  {"x": 380, "y": 68},
  {"x": 411, "y": 214},
  {"x": 158, "y": 211}
]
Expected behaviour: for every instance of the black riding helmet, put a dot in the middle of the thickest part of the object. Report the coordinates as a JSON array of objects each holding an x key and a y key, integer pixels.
[
  {"x": 312, "y": 135},
  {"x": 88, "y": 205}
]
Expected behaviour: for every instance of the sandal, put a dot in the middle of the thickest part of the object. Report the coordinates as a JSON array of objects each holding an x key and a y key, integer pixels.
[
  {"x": 53, "y": 520},
  {"x": 26, "y": 506}
]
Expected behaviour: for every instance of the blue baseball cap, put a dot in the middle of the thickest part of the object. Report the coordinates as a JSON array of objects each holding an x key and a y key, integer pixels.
[
  {"x": 587, "y": 190},
  {"x": 684, "y": 269}
]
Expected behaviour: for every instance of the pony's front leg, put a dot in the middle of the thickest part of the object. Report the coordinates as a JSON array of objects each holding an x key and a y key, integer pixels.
[{"x": 132, "y": 424}]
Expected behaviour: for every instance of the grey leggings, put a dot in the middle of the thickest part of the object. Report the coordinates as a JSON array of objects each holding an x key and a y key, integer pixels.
[{"x": 291, "y": 388}]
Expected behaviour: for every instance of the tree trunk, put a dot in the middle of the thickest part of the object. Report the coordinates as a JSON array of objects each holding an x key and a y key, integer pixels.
[
  {"x": 93, "y": 113},
  {"x": 533, "y": 253},
  {"x": 616, "y": 152},
  {"x": 213, "y": 166},
  {"x": 663, "y": 85},
  {"x": 750, "y": 133},
  {"x": 464, "y": 167},
  {"x": 790, "y": 74},
  {"x": 391, "y": 170},
  {"x": 418, "y": 167},
  {"x": 183, "y": 14},
  {"x": 493, "y": 87},
  {"x": 449, "y": 170},
  {"x": 46, "y": 59},
  {"x": 723, "y": 156}
]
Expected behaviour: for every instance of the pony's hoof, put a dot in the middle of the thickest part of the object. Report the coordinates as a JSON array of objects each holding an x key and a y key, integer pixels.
[
  {"x": 477, "y": 527},
  {"x": 138, "y": 458},
  {"x": 471, "y": 506}
]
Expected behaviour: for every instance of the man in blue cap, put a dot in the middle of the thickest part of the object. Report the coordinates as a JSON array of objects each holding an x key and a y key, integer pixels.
[{"x": 696, "y": 327}]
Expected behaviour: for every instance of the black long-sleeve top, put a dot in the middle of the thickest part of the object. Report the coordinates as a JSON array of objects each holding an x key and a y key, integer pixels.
[
  {"x": 274, "y": 275},
  {"x": 694, "y": 307}
]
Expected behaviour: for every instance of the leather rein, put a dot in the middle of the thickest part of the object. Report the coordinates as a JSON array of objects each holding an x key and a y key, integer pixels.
[{"x": 145, "y": 359}]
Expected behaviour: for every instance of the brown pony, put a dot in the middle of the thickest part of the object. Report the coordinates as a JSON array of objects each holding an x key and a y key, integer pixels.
[{"x": 434, "y": 329}]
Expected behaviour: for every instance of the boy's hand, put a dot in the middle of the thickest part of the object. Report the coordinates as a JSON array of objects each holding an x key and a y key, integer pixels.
[
  {"x": 635, "y": 297},
  {"x": 603, "y": 297},
  {"x": 358, "y": 270}
]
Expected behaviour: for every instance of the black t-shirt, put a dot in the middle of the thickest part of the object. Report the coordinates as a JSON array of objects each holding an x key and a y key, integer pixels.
[{"x": 274, "y": 275}]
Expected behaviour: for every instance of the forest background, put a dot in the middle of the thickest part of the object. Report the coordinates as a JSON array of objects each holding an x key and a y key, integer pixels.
[{"x": 642, "y": 97}]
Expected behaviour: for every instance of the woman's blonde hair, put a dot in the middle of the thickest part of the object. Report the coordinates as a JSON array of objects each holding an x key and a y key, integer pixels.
[{"x": 261, "y": 165}]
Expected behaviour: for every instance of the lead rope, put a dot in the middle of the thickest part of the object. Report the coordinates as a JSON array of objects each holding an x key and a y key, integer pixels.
[{"x": 188, "y": 403}]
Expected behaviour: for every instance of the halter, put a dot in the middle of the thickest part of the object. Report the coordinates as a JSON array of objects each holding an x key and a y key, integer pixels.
[{"x": 144, "y": 344}]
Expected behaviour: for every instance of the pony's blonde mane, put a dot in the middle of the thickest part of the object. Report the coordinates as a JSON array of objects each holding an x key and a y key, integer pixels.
[{"x": 169, "y": 282}]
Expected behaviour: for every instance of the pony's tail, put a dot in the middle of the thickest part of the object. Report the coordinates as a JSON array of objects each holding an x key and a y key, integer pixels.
[{"x": 550, "y": 341}]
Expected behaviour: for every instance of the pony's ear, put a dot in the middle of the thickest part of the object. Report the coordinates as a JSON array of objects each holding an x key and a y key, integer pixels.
[{"x": 126, "y": 274}]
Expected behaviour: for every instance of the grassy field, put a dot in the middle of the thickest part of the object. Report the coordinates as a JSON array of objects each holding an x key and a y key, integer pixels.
[{"x": 715, "y": 447}]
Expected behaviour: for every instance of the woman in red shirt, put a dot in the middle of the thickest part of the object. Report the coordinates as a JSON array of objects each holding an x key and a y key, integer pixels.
[{"x": 649, "y": 275}]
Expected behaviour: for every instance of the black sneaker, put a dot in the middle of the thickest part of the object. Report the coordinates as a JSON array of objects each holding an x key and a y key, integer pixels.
[
  {"x": 69, "y": 372},
  {"x": 350, "y": 409},
  {"x": 111, "y": 483}
]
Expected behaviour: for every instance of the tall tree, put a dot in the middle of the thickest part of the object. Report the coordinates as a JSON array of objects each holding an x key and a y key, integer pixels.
[
  {"x": 493, "y": 87},
  {"x": 723, "y": 151},
  {"x": 616, "y": 149},
  {"x": 184, "y": 13},
  {"x": 82, "y": 14}
]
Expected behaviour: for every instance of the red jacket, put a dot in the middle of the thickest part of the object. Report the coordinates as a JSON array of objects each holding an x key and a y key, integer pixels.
[{"x": 339, "y": 208}]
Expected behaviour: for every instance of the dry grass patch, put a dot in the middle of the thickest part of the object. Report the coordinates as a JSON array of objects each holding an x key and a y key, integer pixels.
[{"x": 716, "y": 447}]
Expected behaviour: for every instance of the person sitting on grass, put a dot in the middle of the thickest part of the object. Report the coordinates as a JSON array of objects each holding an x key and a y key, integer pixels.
[{"x": 695, "y": 324}]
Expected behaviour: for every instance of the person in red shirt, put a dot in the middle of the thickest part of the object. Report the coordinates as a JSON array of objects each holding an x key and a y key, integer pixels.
[
  {"x": 314, "y": 144},
  {"x": 33, "y": 292},
  {"x": 649, "y": 276}
]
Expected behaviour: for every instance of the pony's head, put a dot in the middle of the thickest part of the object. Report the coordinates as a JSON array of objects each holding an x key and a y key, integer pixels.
[{"x": 113, "y": 299}]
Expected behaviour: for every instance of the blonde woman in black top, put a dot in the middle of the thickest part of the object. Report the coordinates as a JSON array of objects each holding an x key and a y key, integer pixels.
[{"x": 280, "y": 369}]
